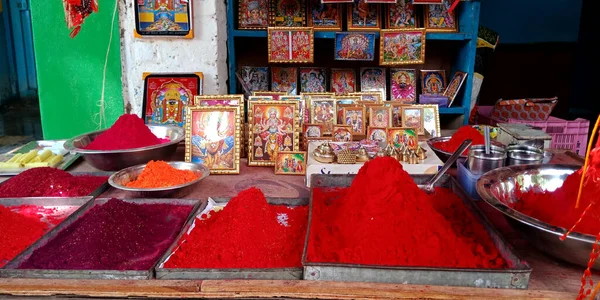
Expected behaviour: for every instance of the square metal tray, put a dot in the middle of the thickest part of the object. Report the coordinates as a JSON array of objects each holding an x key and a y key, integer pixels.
[
  {"x": 11, "y": 270},
  {"x": 97, "y": 192},
  {"x": 245, "y": 273},
  {"x": 514, "y": 277},
  {"x": 69, "y": 158}
]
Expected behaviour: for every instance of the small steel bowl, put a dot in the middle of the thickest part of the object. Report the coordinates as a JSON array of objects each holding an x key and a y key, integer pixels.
[
  {"x": 113, "y": 160},
  {"x": 443, "y": 155},
  {"x": 120, "y": 178},
  {"x": 498, "y": 189}
]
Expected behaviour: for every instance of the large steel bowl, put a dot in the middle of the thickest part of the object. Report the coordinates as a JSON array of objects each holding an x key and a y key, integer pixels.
[
  {"x": 498, "y": 187},
  {"x": 113, "y": 160},
  {"x": 119, "y": 179}
]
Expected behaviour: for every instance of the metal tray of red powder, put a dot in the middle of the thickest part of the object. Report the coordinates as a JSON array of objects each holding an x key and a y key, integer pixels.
[
  {"x": 11, "y": 270},
  {"x": 97, "y": 192},
  {"x": 514, "y": 277},
  {"x": 205, "y": 274}
]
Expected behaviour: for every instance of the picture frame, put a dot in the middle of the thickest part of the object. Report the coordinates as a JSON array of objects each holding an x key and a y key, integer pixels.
[
  {"x": 219, "y": 150},
  {"x": 355, "y": 117},
  {"x": 245, "y": 88},
  {"x": 290, "y": 44},
  {"x": 313, "y": 81},
  {"x": 343, "y": 81},
  {"x": 342, "y": 133},
  {"x": 287, "y": 13},
  {"x": 291, "y": 98},
  {"x": 163, "y": 19},
  {"x": 373, "y": 96},
  {"x": 284, "y": 80},
  {"x": 403, "y": 135},
  {"x": 403, "y": 85},
  {"x": 324, "y": 16},
  {"x": 391, "y": 41},
  {"x": 306, "y": 100},
  {"x": 380, "y": 116},
  {"x": 454, "y": 86},
  {"x": 290, "y": 163},
  {"x": 323, "y": 111},
  {"x": 274, "y": 95},
  {"x": 263, "y": 143},
  {"x": 431, "y": 119},
  {"x": 255, "y": 78},
  {"x": 433, "y": 82},
  {"x": 401, "y": 14},
  {"x": 412, "y": 117},
  {"x": 397, "y": 113},
  {"x": 260, "y": 98},
  {"x": 312, "y": 130},
  {"x": 438, "y": 19},
  {"x": 222, "y": 100},
  {"x": 373, "y": 79},
  {"x": 253, "y": 14},
  {"x": 372, "y": 22},
  {"x": 340, "y": 114},
  {"x": 378, "y": 134},
  {"x": 166, "y": 97},
  {"x": 354, "y": 46}
]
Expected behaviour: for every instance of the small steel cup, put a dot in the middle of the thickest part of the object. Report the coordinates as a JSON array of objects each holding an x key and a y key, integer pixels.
[
  {"x": 524, "y": 155},
  {"x": 479, "y": 162}
]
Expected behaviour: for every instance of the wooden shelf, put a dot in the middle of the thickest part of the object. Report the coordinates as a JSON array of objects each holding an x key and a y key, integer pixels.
[{"x": 451, "y": 36}]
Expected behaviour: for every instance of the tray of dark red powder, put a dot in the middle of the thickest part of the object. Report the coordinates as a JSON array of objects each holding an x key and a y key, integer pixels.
[
  {"x": 106, "y": 239},
  {"x": 377, "y": 226}
]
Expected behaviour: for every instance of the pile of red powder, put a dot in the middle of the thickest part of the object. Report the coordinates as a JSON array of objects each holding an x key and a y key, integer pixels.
[
  {"x": 463, "y": 133},
  {"x": 17, "y": 232},
  {"x": 128, "y": 132},
  {"x": 117, "y": 235},
  {"x": 50, "y": 182},
  {"x": 247, "y": 233},
  {"x": 384, "y": 219}
]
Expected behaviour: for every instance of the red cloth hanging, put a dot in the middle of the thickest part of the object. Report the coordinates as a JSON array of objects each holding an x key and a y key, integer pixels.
[{"x": 76, "y": 11}]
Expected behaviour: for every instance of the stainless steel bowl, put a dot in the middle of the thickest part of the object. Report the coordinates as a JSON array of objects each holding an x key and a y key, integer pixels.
[
  {"x": 443, "y": 155},
  {"x": 113, "y": 160},
  {"x": 497, "y": 188},
  {"x": 120, "y": 178}
]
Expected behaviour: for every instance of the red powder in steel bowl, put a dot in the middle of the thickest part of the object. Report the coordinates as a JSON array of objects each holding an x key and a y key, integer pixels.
[
  {"x": 247, "y": 233},
  {"x": 128, "y": 132},
  {"x": 384, "y": 219},
  {"x": 116, "y": 235},
  {"x": 17, "y": 232},
  {"x": 50, "y": 182},
  {"x": 463, "y": 133}
]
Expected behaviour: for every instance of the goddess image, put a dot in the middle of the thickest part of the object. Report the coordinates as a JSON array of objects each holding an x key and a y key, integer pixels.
[{"x": 168, "y": 103}]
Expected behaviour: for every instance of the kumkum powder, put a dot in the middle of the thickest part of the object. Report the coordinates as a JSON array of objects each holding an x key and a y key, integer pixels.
[
  {"x": 17, "y": 232},
  {"x": 247, "y": 233},
  {"x": 128, "y": 132},
  {"x": 159, "y": 174},
  {"x": 116, "y": 235},
  {"x": 463, "y": 133},
  {"x": 384, "y": 219},
  {"x": 50, "y": 182}
]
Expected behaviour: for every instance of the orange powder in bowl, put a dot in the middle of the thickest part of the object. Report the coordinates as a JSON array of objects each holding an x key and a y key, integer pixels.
[{"x": 159, "y": 174}]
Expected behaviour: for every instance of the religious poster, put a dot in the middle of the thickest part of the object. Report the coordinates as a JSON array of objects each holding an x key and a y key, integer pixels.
[
  {"x": 253, "y": 14},
  {"x": 400, "y": 15},
  {"x": 403, "y": 85},
  {"x": 290, "y": 44},
  {"x": 454, "y": 86},
  {"x": 363, "y": 16},
  {"x": 380, "y": 116},
  {"x": 255, "y": 78},
  {"x": 343, "y": 81},
  {"x": 313, "y": 80},
  {"x": 402, "y": 46},
  {"x": 163, "y": 18},
  {"x": 354, "y": 46},
  {"x": 439, "y": 19},
  {"x": 287, "y": 13},
  {"x": 284, "y": 80},
  {"x": 373, "y": 79},
  {"x": 433, "y": 82},
  {"x": 324, "y": 17},
  {"x": 355, "y": 117}
]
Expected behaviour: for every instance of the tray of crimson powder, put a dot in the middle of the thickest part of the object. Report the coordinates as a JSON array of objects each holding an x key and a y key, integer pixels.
[
  {"x": 106, "y": 239},
  {"x": 392, "y": 241}
]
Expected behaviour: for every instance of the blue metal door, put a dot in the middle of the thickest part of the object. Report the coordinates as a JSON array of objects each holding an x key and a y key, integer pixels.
[{"x": 22, "y": 40}]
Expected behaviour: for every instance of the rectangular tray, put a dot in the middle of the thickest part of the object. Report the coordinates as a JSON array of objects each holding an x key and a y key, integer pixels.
[
  {"x": 10, "y": 270},
  {"x": 516, "y": 277},
  {"x": 69, "y": 158},
  {"x": 96, "y": 193},
  {"x": 246, "y": 273}
]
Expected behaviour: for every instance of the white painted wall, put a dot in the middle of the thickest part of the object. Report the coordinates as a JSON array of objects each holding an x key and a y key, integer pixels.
[{"x": 206, "y": 52}]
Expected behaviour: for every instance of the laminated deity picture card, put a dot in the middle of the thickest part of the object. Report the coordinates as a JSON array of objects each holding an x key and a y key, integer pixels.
[
  {"x": 312, "y": 130},
  {"x": 253, "y": 14},
  {"x": 403, "y": 85},
  {"x": 167, "y": 18},
  {"x": 290, "y": 163},
  {"x": 213, "y": 137},
  {"x": 342, "y": 133},
  {"x": 355, "y": 116},
  {"x": 433, "y": 82},
  {"x": 363, "y": 16},
  {"x": 323, "y": 16},
  {"x": 378, "y": 134},
  {"x": 400, "y": 15},
  {"x": 403, "y": 135},
  {"x": 380, "y": 116},
  {"x": 402, "y": 46},
  {"x": 357, "y": 46},
  {"x": 313, "y": 80},
  {"x": 255, "y": 78},
  {"x": 166, "y": 97},
  {"x": 454, "y": 86},
  {"x": 287, "y": 13},
  {"x": 284, "y": 80},
  {"x": 439, "y": 19},
  {"x": 323, "y": 111},
  {"x": 373, "y": 79},
  {"x": 343, "y": 81}
]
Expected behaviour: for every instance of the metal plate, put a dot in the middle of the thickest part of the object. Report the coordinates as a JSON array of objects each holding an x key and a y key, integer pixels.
[
  {"x": 11, "y": 271},
  {"x": 246, "y": 273},
  {"x": 69, "y": 157},
  {"x": 516, "y": 276},
  {"x": 97, "y": 192}
]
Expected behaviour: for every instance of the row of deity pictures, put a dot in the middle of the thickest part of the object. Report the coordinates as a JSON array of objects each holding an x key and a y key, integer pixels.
[
  {"x": 363, "y": 15},
  {"x": 402, "y": 83}
]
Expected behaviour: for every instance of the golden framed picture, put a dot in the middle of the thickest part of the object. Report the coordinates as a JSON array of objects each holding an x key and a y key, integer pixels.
[
  {"x": 322, "y": 111},
  {"x": 290, "y": 44},
  {"x": 253, "y": 14},
  {"x": 433, "y": 82},
  {"x": 290, "y": 98},
  {"x": 340, "y": 111},
  {"x": 412, "y": 117},
  {"x": 342, "y": 133},
  {"x": 363, "y": 16},
  {"x": 355, "y": 117},
  {"x": 284, "y": 80},
  {"x": 431, "y": 119},
  {"x": 380, "y": 116},
  {"x": 373, "y": 96},
  {"x": 400, "y": 15},
  {"x": 402, "y": 46},
  {"x": 213, "y": 137},
  {"x": 287, "y": 13},
  {"x": 347, "y": 99},
  {"x": 274, "y": 95},
  {"x": 223, "y": 100},
  {"x": 454, "y": 86},
  {"x": 312, "y": 130},
  {"x": 273, "y": 127},
  {"x": 438, "y": 19},
  {"x": 324, "y": 16},
  {"x": 402, "y": 135},
  {"x": 378, "y": 134},
  {"x": 343, "y": 81},
  {"x": 397, "y": 113},
  {"x": 260, "y": 98},
  {"x": 290, "y": 163}
]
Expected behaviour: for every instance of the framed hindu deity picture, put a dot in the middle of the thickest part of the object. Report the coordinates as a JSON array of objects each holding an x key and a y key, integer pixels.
[
  {"x": 363, "y": 16},
  {"x": 273, "y": 127},
  {"x": 378, "y": 134},
  {"x": 403, "y": 135},
  {"x": 163, "y": 18},
  {"x": 290, "y": 44},
  {"x": 431, "y": 119},
  {"x": 380, "y": 116},
  {"x": 253, "y": 14},
  {"x": 312, "y": 130},
  {"x": 291, "y": 98},
  {"x": 284, "y": 80},
  {"x": 439, "y": 19},
  {"x": 305, "y": 104},
  {"x": 212, "y": 138},
  {"x": 260, "y": 98},
  {"x": 274, "y": 95},
  {"x": 402, "y": 46},
  {"x": 343, "y": 81},
  {"x": 255, "y": 78},
  {"x": 313, "y": 80},
  {"x": 354, "y": 46},
  {"x": 412, "y": 117},
  {"x": 342, "y": 133},
  {"x": 397, "y": 113},
  {"x": 322, "y": 111},
  {"x": 403, "y": 85},
  {"x": 400, "y": 15},
  {"x": 222, "y": 100},
  {"x": 373, "y": 79},
  {"x": 166, "y": 96},
  {"x": 323, "y": 16},
  {"x": 343, "y": 100},
  {"x": 374, "y": 96},
  {"x": 290, "y": 163},
  {"x": 454, "y": 86},
  {"x": 287, "y": 13},
  {"x": 433, "y": 82},
  {"x": 355, "y": 116}
]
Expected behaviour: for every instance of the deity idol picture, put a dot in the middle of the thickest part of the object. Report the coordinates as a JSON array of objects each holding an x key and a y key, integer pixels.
[{"x": 163, "y": 18}]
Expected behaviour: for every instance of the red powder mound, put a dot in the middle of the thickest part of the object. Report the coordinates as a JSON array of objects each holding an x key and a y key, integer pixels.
[
  {"x": 463, "y": 133},
  {"x": 17, "y": 232},
  {"x": 384, "y": 219},
  {"x": 245, "y": 234},
  {"x": 50, "y": 182},
  {"x": 128, "y": 132}
]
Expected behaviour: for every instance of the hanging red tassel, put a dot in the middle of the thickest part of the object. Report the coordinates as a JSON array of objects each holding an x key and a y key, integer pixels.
[{"x": 76, "y": 11}]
